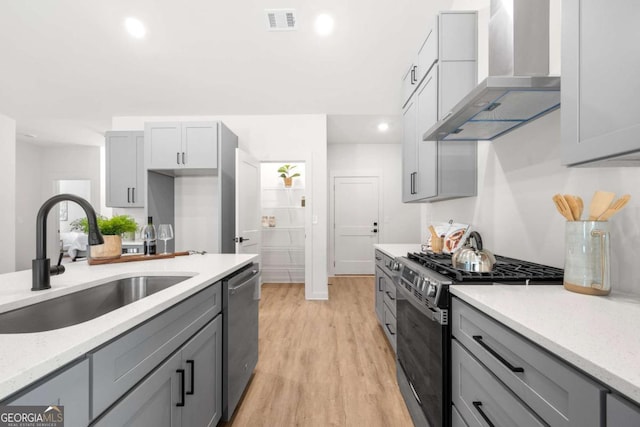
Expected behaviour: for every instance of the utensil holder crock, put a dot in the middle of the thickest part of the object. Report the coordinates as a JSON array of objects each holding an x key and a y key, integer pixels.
[{"x": 587, "y": 254}]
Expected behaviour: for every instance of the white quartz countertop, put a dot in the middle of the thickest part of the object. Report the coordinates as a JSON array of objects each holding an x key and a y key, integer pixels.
[
  {"x": 25, "y": 358},
  {"x": 599, "y": 335},
  {"x": 397, "y": 249}
]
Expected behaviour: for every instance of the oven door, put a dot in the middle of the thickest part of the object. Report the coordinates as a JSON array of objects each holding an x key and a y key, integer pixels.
[{"x": 423, "y": 356}]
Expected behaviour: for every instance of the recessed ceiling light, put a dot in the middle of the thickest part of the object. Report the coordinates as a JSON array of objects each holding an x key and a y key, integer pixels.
[
  {"x": 383, "y": 126},
  {"x": 135, "y": 27},
  {"x": 324, "y": 24}
]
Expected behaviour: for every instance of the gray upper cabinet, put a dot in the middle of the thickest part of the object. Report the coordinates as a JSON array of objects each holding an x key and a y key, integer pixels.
[
  {"x": 600, "y": 111},
  {"x": 447, "y": 70},
  {"x": 125, "y": 169},
  {"x": 181, "y": 145}
]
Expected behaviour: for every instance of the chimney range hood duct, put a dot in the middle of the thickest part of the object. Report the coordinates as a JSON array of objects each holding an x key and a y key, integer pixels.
[{"x": 518, "y": 89}]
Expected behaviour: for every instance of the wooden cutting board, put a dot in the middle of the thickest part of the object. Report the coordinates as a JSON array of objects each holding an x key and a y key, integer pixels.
[{"x": 133, "y": 258}]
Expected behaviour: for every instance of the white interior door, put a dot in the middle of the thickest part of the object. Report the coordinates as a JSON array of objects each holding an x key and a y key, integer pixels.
[
  {"x": 247, "y": 203},
  {"x": 356, "y": 210}
]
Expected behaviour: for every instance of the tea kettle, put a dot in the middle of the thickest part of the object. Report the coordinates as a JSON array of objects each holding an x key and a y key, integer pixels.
[{"x": 472, "y": 257}]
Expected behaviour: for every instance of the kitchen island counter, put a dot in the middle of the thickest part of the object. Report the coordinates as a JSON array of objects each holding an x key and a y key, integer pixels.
[
  {"x": 27, "y": 357},
  {"x": 598, "y": 335}
]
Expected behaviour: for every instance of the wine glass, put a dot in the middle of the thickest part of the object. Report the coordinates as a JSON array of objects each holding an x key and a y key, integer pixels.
[{"x": 165, "y": 232}]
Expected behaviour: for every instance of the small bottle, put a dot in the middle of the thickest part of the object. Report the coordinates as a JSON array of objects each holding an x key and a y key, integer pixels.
[{"x": 149, "y": 235}]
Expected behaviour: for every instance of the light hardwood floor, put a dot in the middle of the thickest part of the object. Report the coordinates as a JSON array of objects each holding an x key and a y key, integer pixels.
[{"x": 322, "y": 363}]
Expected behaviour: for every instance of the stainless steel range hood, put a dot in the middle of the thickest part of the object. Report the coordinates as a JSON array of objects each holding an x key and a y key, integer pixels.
[{"x": 518, "y": 89}]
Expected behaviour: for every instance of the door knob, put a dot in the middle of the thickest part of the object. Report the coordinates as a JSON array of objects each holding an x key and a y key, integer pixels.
[
  {"x": 375, "y": 230},
  {"x": 375, "y": 224}
]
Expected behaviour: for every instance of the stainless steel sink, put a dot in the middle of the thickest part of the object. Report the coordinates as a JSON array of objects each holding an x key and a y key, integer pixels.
[{"x": 83, "y": 305}]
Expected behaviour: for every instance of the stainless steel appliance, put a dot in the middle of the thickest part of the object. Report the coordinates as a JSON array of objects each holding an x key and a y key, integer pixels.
[
  {"x": 424, "y": 335},
  {"x": 240, "y": 300}
]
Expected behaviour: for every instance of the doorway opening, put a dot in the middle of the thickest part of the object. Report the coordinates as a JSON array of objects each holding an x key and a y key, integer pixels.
[
  {"x": 284, "y": 222},
  {"x": 73, "y": 243}
]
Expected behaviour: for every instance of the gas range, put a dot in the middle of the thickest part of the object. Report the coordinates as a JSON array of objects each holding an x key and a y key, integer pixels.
[
  {"x": 428, "y": 275},
  {"x": 423, "y": 331}
]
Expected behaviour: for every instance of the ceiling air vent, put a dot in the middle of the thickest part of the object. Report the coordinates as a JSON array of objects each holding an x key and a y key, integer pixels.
[{"x": 281, "y": 19}]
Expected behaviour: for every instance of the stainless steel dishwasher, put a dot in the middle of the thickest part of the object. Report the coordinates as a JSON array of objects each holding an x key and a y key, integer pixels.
[{"x": 240, "y": 300}]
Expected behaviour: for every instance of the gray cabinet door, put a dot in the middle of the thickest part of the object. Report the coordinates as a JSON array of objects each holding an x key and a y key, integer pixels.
[
  {"x": 621, "y": 412},
  {"x": 125, "y": 168},
  {"x": 153, "y": 402},
  {"x": 409, "y": 161},
  {"x": 200, "y": 145},
  {"x": 600, "y": 110},
  {"x": 163, "y": 145},
  {"x": 379, "y": 294},
  {"x": 480, "y": 398},
  {"x": 70, "y": 389},
  {"x": 202, "y": 361},
  {"x": 427, "y": 116}
]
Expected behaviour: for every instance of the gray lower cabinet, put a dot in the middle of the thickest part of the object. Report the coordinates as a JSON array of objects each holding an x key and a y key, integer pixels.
[
  {"x": 184, "y": 391},
  {"x": 67, "y": 388},
  {"x": 600, "y": 109},
  {"x": 621, "y": 412},
  {"x": 554, "y": 391},
  {"x": 385, "y": 296},
  {"x": 122, "y": 363},
  {"x": 124, "y": 169},
  {"x": 483, "y": 400}
]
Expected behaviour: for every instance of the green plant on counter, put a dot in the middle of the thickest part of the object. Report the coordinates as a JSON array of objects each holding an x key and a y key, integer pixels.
[
  {"x": 285, "y": 171},
  {"x": 113, "y": 226}
]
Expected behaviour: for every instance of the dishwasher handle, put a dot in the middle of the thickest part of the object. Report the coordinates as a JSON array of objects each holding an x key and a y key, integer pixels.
[{"x": 244, "y": 277}]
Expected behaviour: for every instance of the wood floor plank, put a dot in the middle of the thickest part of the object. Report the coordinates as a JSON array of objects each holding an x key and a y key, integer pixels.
[{"x": 322, "y": 363}]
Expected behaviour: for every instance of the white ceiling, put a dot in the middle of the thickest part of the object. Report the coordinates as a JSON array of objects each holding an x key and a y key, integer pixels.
[{"x": 68, "y": 66}]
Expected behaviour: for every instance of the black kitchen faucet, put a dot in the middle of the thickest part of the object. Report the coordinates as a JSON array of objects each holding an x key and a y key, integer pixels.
[{"x": 42, "y": 270}]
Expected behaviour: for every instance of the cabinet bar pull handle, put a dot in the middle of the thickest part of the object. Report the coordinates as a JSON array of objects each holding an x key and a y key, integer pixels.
[
  {"x": 183, "y": 158},
  {"x": 389, "y": 329},
  {"x": 193, "y": 375},
  {"x": 413, "y": 390},
  {"x": 181, "y": 372},
  {"x": 380, "y": 279},
  {"x": 178, "y": 158},
  {"x": 128, "y": 194},
  {"x": 505, "y": 362},
  {"x": 389, "y": 293},
  {"x": 478, "y": 406},
  {"x": 133, "y": 194}
]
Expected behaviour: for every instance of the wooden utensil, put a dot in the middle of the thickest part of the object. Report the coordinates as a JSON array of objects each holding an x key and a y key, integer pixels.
[
  {"x": 563, "y": 207},
  {"x": 572, "y": 201},
  {"x": 433, "y": 231},
  {"x": 615, "y": 207},
  {"x": 600, "y": 203},
  {"x": 580, "y": 206}
]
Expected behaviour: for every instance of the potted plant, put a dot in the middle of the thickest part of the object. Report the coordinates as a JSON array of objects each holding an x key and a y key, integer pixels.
[
  {"x": 111, "y": 229},
  {"x": 286, "y": 174}
]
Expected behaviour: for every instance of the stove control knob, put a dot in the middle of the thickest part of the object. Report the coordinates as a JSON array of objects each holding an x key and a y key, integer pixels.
[
  {"x": 431, "y": 292},
  {"x": 394, "y": 265}
]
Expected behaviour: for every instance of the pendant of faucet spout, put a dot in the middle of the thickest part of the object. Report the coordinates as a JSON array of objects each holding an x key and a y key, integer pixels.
[{"x": 41, "y": 265}]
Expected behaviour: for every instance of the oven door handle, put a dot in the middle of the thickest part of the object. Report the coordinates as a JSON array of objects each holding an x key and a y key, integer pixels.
[{"x": 436, "y": 314}]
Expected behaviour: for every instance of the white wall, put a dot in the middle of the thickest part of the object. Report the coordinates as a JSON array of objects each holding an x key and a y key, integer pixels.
[
  {"x": 400, "y": 222},
  {"x": 517, "y": 176},
  {"x": 8, "y": 193},
  {"x": 276, "y": 138},
  {"x": 39, "y": 168},
  {"x": 80, "y": 188}
]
